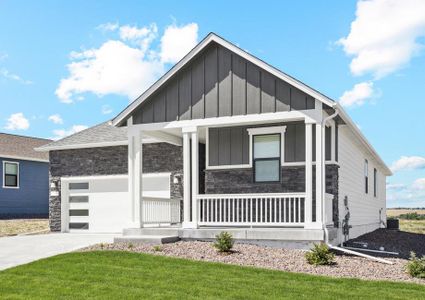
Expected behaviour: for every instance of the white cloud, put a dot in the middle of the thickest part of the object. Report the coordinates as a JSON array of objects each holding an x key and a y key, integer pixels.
[
  {"x": 384, "y": 35},
  {"x": 178, "y": 41},
  {"x": 114, "y": 68},
  {"x": 106, "y": 109},
  {"x": 419, "y": 184},
  {"x": 17, "y": 122},
  {"x": 56, "y": 118},
  {"x": 396, "y": 186},
  {"x": 8, "y": 75},
  {"x": 127, "y": 66},
  {"x": 408, "y": 163},
  {"x": 61, "y": 133},
  {"x": 358, "y": 95},
  {"x": 108, "y": 26}
]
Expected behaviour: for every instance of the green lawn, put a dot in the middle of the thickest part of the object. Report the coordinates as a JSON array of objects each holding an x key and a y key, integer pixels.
[{"x": 122, "y": 275}]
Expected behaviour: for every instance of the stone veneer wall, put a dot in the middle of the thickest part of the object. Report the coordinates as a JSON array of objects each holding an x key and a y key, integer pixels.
[
  {"x": 241, "y": 181},
  {"x": 236, "y": 181},
  {"x": 157, "y": 157}
]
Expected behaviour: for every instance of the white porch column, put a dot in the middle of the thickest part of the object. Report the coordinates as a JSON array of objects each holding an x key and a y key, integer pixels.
[
  {"x": 134, "y": 175},
  {"x": 190, "y": 177},
  {"x": 186, "y": 180},
  {"x": 319, "y": 173},
  {"x": 195, "y": 177},
  {"x": 308, "y": 175}
]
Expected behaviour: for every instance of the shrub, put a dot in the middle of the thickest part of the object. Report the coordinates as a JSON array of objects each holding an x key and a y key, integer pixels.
[
  {"x": 412, "y": 216},
  {"x": 416, "y": 266},
  {"x": 224, "y": 242},
  {"x": 157, "y": 248},
  {"x": 130, "y": 246},
  {"x": 320, "y": 255}
]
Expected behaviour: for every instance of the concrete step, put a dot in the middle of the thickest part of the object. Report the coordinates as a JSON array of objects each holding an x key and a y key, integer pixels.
[
  {"x": 147, "y": 239},
  {"x": 151, "y": 231}
]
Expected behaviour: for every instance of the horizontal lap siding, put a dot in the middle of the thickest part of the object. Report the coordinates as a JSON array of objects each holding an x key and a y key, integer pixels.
[
  {"x": 220, "y": 83},
  {"x": 364, "y": 208}
]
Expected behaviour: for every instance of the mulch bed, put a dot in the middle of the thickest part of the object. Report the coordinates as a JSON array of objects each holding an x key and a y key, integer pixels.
[
  {"x": 393, "y": 241},
  {"x": 273, "y": 258}
]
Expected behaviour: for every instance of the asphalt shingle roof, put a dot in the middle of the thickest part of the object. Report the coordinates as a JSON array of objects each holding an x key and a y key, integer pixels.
[
  {"x": 22, "y": 147},
  {"x": 101, "y": 133}
]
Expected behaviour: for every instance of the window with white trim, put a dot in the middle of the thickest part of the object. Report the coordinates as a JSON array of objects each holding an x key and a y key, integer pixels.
[
  {"x": 10, "y": 174},
  {"x": 366, "y": 176},
  {"x": 266, "y": 157},
  {"x": 375, "y": 182}
]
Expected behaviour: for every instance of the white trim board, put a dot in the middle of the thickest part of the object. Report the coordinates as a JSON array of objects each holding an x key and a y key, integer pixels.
[
  {"x": 24, "y": 158},
  {"x": 92, "y": 145}
]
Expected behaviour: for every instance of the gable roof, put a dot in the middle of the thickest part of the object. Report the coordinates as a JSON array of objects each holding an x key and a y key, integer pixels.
[
  {"x": 120, "y": 119},
  {"x": 101, "y": 135},
  {"x": 22, "y": 147}
]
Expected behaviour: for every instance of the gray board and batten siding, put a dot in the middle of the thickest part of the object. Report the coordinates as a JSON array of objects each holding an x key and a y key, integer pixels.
[
  {"x": 230, "y": 145},
  {"x": 219, "y": 83}
]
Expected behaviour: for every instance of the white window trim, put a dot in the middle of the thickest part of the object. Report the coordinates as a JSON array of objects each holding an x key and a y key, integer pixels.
[
  {"x": 4, "y": 175},
  {"x": 251, "y": 131},
  {"x": 267, "y": 130}
]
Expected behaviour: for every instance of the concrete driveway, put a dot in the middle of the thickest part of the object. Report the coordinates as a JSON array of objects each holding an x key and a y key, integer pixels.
[{"x": 18, "y": 250}]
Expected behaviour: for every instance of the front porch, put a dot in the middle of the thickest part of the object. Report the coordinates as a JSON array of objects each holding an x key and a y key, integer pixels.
[{"x": 199, "y": 213}]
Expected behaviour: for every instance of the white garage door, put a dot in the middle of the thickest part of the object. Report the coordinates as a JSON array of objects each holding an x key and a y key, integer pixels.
[{"x": 102, "y": 203}]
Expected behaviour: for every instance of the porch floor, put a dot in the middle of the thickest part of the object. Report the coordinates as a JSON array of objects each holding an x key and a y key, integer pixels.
[{"x": 274, "y": 237}]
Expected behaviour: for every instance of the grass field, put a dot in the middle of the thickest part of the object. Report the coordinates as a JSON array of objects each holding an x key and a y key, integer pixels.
[
  {"x": 415, "y": 226},
  {"x": 19, "y": 226},
  {"x": 392, "y": 212},
  {"x": 122, "y": 275}
]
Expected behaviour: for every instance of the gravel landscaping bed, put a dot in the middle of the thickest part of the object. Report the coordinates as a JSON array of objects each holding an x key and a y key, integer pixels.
[
  {"x": 392, "y": 240},
  {"x": 272, "y": 258}
]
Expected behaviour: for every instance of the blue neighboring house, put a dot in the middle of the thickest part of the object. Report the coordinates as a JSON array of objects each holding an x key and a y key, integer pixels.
[{"x": 24, "y": 177}]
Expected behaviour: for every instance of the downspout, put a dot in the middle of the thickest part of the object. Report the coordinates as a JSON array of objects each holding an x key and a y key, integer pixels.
[{"x": 325, "y": 230}]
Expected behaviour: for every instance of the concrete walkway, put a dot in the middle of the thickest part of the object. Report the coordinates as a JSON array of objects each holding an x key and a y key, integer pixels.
[{"x": 18, "y": 250}]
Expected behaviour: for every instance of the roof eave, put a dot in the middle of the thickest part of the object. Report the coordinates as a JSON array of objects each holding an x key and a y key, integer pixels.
[{"x": 361, "y": 138}]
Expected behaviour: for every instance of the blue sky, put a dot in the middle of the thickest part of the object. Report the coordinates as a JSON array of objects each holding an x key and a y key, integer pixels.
[{"x": 67, "y": 65}]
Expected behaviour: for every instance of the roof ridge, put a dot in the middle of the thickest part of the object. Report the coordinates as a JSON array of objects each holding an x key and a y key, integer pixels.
[{"x": 26, "y": 136}]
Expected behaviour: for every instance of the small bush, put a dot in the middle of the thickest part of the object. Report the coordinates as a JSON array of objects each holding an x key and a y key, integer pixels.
[
  {"x": 320, "y": 255},
  {"x": 102, "y": 245},
  {"x": 224, "y": 242},
  {"x": 416, "y": 266},
  {"x": 130, "y": 246},
  {"x": 412, "y": 216},
  {"x": 157, "y": 248}
]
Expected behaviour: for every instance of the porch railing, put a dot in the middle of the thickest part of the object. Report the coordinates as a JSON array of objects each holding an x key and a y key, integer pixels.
[
  {"x": 160, "y": 211},
  {"x": 251, "y": 209}
]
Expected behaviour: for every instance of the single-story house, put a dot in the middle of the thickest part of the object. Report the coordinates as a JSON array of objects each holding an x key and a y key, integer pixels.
[
  {"x": 223, "y": 141},
  {"x": 24, "y": 181}
]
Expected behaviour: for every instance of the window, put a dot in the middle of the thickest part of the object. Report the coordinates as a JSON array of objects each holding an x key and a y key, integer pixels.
[
  {"x": 375, "y": 182},
  {"x": 10, "y": 174},
  {"x": 366, "y": 176},
  {"x": 266, "y": 158}
]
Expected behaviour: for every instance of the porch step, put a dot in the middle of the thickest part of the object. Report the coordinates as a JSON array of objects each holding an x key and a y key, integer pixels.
[
  {"x": 147, "y": 239},
  {"x": 157, "y": 231}
]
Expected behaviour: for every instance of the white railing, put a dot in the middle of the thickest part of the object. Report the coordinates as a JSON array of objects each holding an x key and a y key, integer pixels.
[
  {"x": 251, "y": 209},
  {"x": 160, "y": 211}
]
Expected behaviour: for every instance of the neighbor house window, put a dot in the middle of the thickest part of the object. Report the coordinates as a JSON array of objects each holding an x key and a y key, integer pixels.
[
  {"x": 375, "y": 182},
  {"x": 266, "y": 157},
  {"x": 10, "y": 174},
  {"x": 366, "y": 176}
]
